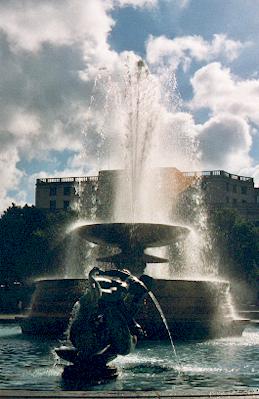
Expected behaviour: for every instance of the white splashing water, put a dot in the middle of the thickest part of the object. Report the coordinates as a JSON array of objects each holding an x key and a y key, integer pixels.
[
  {"x": 140, "y": 131},
  {"x": 134, "y": 130},
  {"x": 139, "y": 109}
]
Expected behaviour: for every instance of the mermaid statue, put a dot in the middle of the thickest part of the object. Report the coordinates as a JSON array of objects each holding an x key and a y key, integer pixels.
[{"x": 102, "y": 325}]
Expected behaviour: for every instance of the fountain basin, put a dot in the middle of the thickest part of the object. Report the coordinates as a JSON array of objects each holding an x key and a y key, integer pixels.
[
  {"x": 193, "y": 309},
  {"x": 51, "y": 306},
  {"x": 132, "y": 239},
  {"x": 131, "y": 235}
]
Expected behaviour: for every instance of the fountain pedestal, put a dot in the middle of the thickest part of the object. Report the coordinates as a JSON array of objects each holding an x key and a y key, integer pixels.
[{"x": 131, "y": 240}]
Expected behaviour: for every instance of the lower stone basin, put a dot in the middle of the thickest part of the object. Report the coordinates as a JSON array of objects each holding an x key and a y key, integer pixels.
[
  {"x": 193, "y": 309},
  {"x": 51, "y": 306}
]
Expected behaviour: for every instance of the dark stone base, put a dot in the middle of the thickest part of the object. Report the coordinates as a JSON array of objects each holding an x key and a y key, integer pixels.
[
  {"x": 78, "y": 376},
  {"x": 85, "y": 372}
]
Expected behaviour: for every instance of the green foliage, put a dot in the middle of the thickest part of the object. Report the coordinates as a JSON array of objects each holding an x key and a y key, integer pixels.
[
  {"x": 237, "y": 242},
  {"x": 31, "y": 242}
]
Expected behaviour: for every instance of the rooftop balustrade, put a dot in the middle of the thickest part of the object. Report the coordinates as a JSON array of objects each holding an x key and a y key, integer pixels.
[
  {"x": 204, "y": 173},
  {"x": 48, "y": 180},
  {"x": 215, "y": 173}
]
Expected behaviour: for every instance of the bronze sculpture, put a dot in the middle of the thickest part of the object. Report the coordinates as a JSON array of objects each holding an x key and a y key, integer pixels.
[{"x": 103, "y": 325}]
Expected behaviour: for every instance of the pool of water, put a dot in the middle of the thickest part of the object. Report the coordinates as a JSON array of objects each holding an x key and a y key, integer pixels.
[{"x": 212, "y": 366}]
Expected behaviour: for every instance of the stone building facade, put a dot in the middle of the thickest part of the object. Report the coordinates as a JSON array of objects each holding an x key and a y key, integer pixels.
[
  {"x": 223, "y": 189},
  {"x": 219, "y": 189},
  {"x": 57, "y": 193}
]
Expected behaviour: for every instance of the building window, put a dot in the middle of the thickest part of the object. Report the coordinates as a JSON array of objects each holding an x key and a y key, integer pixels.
[
  {"x": 66, "y": 205},
  {"x": 234, "y": 201},
  {"x": 234, "y": 189},
  {"x": 52, "y": 191},
  {"x": 243, "y": 190},
  {"x": 67, "y": 190},
  {"x": 227, "y": 200},
  {"x": 243, "y": 201},
  {"x": 204, "y": 185},
  {"x": 227, "y": 186},
  {"x": 52, "y": 205}
]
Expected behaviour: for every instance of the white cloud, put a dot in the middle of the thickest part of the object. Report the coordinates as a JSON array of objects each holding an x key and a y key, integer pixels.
[
  {"x": 136, "y": 3},
  {"x": 29, "y": 24},
  {"x": 226, "y": 138},
  {"x": 224, "y": 143},
  {"x": 53, "y": 58},
  {"x": 10, "y": 176},
  {"x": 182, "y": 50},
  {"x": 23, "y": 124},
  {"x": 44, "y": 45},
  {"x": 216, "y": 88},
  {"x": 184, "y": 3},
  {"x": 252, "y": 171}
]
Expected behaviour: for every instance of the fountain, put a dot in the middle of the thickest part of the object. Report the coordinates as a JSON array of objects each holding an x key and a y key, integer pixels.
[{"x": 194, "y": 308}]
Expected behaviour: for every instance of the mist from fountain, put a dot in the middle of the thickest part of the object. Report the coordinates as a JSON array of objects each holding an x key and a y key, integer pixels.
[
  {"x": 136, "y": 134},
  {"x": 146, "y": 190}
]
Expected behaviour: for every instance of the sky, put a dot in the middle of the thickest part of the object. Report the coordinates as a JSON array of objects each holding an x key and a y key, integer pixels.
[{"x": 60, "y": 61}]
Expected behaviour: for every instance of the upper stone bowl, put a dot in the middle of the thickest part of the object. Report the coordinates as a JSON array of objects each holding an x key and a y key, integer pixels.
[{"x": 132, "y": 235}]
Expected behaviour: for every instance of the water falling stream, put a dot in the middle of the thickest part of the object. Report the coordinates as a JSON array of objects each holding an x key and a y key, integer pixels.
[{"x": 160, "y": 311}]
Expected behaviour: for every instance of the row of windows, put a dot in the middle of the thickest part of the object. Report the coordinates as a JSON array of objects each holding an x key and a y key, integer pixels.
[
  {"x": 243, "y": 189},
  {"x": 235, "y": 201},
  {"x": 53, "y": 205},
  {"x": 66, "y": 191}
]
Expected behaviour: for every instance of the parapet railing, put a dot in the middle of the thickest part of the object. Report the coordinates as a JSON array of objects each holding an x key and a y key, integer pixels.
[
  {"x": 208, "y": 173},
  {"x": 205, "y": 173},
  {"x": 67, "y": 179}
]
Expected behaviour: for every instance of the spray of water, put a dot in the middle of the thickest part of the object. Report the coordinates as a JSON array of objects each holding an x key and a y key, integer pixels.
[
  {"x": 136, "y": 132},
  {"x": 79, "y": 256},
  {"x": 140, "y": 131}
]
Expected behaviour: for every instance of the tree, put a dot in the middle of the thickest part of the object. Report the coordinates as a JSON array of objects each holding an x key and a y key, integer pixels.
[
  {"x": 237, "y": 243},
  {"x": 31, "y": 242}
]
